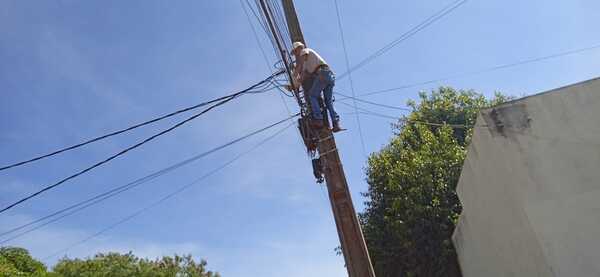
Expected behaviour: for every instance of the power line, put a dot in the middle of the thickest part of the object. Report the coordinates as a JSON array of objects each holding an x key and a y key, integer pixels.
[
  {"x": 283, "y": 51},
  {"x": 258, "y": 18},
  {"x": 89, "y": 141},
  {"x": 455, "y": 126},
  {"x": 264, "y": 55},
  {"x": 81, "y": 172},
  {"x": 165, "y": 198},
  {"x": 280, "y": 21},
  {"x": 264, "y": 24},
  {"x": 276, "y": 18},
  {"x": 376, "y": 115},
  {"x": 430, "y": 20},
  {"x": 369, "y": 112},
  {"x": 255, "y": 33},
  {"x": 276, "y": 82},
  {"x": 488, "y": 69},
  {"x": 118, "y": 190},
  {"x": 262, "y": 50},
  {"x": 339, "y": 21},
  {"x": 248, "y": 90},
  {"x": 372, "y": 103}
]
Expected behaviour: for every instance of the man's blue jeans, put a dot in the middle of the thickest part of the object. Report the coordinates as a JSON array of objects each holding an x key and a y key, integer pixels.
[{"x": 324, "y": 82}]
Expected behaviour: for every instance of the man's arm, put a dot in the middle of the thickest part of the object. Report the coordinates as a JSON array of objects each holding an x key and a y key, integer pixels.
[
  {"x": 300, "y": 67},
  {"x": 297, "y": 73}
]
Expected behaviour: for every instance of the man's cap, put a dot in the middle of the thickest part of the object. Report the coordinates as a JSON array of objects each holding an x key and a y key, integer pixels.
[{"x": 297, "y": 44}]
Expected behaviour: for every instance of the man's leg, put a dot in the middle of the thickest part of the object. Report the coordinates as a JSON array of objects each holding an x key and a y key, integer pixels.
[
  {"x": 314, "y": 94},
  {"x": 328, "y": 95},
  {"x": 308, "y": 83}
]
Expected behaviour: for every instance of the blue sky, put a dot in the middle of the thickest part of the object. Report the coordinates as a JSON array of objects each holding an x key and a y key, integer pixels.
[{"x": 76, "y": 69}]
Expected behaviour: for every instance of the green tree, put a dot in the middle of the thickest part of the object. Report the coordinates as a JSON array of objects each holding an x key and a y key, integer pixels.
[
  {"x": 128, "y": 265},
  {"x": 16, "y": 261},
  {"x": 7, "y": 268},
  {"x": 412, "y": 206}
]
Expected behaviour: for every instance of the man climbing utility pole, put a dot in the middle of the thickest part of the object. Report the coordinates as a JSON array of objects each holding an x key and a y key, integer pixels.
[
  {"x": 356, "y": 255},
  {"x": 309, "y": 64}
]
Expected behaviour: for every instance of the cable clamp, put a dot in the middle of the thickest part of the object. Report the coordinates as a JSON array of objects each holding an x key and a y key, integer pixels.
[
  {"x": 330, "y": 151},
  {"x": 324, "y": 139}
]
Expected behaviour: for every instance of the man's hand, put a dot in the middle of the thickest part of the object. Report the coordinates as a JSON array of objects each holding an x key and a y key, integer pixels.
[{"x": 289, "y": 88}]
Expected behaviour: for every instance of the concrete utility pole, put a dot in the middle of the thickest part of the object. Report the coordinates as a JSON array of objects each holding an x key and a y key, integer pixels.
[{"x": 354, "y": 248}]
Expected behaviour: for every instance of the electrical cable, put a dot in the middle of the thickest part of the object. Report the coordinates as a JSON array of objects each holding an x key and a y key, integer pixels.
[
  {"x": 123, "y": 188},
  {"x": 372, "y": 103},
  {"x": 274, "y": 81},
  {"x": 488, "y": 69},
  {"x": 283, "y": 51},
  {"x": 369, "y": 111},
  {"x": 279, "y": 86},
  {"x": 281, "y": 21},
  {"x": 165, "y": 198},
  {"x": 278, "y": 20},
  {"x": 360, "y": 132},
  {"x": 89, "y": 141},
  {"x": 263, "y": 19},
  {"x": 366, "y": 111},
  {"x": 277, "y": 24},
  {"x": 427, "y": 22},
  {"x": 262, "y": 50},
  {"x": 81, "y": 172}
]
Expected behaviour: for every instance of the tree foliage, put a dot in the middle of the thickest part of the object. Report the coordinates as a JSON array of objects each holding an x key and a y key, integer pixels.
[
  {"x": 16, "y": 262},
  {"x": 115, "y": 264},
  {"x": 412, "y": 206}
]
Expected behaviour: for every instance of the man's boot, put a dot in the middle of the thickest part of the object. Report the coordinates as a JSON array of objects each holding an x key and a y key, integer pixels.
[{"x": 336, "y": 126}]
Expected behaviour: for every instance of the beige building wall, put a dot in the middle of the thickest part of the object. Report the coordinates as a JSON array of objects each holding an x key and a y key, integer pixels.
[{"x": 530, "y": 187}]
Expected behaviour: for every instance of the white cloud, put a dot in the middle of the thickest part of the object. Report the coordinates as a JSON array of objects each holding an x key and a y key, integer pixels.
[
  {"x": 61, "y": 57},
  {"x": 11, "y": 187}
]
